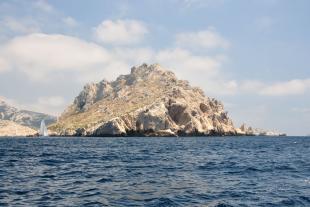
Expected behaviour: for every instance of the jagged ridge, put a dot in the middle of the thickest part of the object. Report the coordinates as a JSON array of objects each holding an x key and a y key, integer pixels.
[{"x": 148, "y": 101}]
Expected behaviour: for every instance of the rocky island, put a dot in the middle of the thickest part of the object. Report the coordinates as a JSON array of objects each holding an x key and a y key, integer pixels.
[{"x": 150, "y": 101}]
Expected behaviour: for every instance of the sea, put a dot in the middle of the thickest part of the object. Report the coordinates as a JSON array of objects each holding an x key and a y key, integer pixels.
[{"x": 146, "y": 171}]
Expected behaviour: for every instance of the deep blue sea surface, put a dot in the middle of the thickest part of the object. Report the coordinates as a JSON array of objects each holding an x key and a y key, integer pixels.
[{"x": 202, "y": 171}]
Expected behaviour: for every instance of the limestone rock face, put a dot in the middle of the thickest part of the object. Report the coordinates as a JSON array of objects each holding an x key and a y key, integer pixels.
[
  {"x": 150, "y": 101},
  {"x": 249, "y": 131},
  {"x": 23, "y": 117},
  {"x": 10, "y": 129},
  {"x": 91, "y": 93},
  {"x": 244, "y": 130}
]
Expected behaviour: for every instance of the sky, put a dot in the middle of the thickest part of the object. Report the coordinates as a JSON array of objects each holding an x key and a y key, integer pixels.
[{"x": 253, "y": 55}]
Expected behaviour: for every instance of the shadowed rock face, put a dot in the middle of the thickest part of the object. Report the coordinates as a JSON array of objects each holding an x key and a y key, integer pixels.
[
  {"x": 24, "y": 117},
  {"x": 150, "y": 101}
]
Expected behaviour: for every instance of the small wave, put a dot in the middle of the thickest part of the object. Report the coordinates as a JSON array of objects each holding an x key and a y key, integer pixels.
[
  {"x": 75, "y": 172},
  {"x": 254, "y": 169},
  {"x": 164, "y": 202},
  {"x": 305, "y": 199},
  {"x": 291, "y": 202},
  {"x": 307, "y": 181},
  {"x": 104, "y": 180},
  {"x": 21, "y": 192},
  {"x": 94, "y": 204},
  {"x": 185, "y": 174},
  {"x": 285, "y": 167},
  {"x": 90, "y": 195},
  {"x": 51, "y": 162},
  {"x": 219, "y": 204}
]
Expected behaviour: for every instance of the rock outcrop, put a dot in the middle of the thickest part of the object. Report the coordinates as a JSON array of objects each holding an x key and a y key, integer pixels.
[
  {"x": 249, "y": 131},
  {"x": 12, "y": 129},
  {"x": 244, "y": 130},
  {"x": 23, "y": 117},
  {"x": 150, "y": 101}
]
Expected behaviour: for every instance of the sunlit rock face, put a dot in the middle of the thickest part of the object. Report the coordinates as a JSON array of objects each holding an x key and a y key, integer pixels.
[
  {"x": 12, "y": 129},
  {"x": 23, "y": 117},
  {"x": 150, "y": 101}
]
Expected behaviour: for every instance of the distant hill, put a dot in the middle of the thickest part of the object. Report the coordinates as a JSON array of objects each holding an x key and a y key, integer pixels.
[
  {"x": 24, "y": 117},
  {"x": 12, "y": 129}
]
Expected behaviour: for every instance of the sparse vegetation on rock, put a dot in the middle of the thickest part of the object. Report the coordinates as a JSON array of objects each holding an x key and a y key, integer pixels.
[{"x": 150, "y": 101}]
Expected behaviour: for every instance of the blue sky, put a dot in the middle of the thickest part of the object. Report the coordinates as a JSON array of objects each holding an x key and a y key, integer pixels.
[{"x": 252, "y": 55}]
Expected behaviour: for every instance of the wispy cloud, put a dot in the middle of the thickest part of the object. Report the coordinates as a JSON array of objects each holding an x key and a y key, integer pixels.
[
  {"x": 43, "y": 5},
  {"x": 4, "y": 65},
  {"x": 291, "y": 87},
  {"x": 185, "y": 4},
  {"x": 38, "y": 17},
  {"x": 208, "y": 39},
  {"x": 20, "y": 26},
  {"x": 46, "y": 104},
  {"x": 120, "y": 32},
  {"x": 184, "y": 60},
  {"x": 70, "y": 21},
  {"x": 284, "y": 88}
]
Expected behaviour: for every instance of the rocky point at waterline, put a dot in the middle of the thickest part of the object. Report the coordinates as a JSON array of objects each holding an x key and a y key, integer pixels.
[
  {"x": 150, "y": 101},
  {"x": 12, "y": 129}
]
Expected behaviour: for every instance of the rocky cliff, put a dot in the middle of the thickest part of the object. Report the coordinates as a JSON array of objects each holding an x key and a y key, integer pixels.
[
  {"x": 10, "y": 129},
  {"x": 23, "y": 117},
  {"x": 150, "y": 101}
]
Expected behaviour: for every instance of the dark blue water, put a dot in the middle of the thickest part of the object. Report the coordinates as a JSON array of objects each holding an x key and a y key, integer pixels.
[{"x": 231, "y": 171}]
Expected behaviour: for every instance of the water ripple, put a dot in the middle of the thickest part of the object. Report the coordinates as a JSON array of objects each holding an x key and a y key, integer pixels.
[{"x": 212, "y": 172}]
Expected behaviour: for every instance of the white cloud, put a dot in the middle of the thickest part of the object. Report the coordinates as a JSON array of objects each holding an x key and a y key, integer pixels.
[
  {"x": 208, "y": 39},
  {"x": 43, "y": 5},
  {"x": 198, "y": 3},
  {"x": 54, "y": 55},
  {"x": 87, "y": 61},
  {"x": 199, "y": 70},
  {"x": 51, "y": 101},
  {"x": 69, "y": 21},
  {"x": 134, "y": 56},
  {"x": 284, "y": 88},
  {"x": 53, "y": 105},
  {"x": 251, "y": 86},
  {"x": 4, "y": 66},
  {"x": 40, "y": 54},
  {"x": 180, "y": 59},
  {"x": 292, "y": 87},
  {"x": 120, "y": 32},
  {"x": 21, "y": 26}
]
